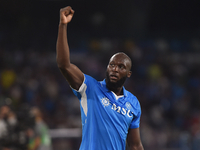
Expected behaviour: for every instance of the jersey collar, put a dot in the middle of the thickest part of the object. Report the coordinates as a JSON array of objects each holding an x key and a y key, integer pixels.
[{"x": 103, "y": 84}]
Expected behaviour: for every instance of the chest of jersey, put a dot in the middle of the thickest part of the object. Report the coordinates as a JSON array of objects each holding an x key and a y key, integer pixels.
[{"x": 114, "y": 113}]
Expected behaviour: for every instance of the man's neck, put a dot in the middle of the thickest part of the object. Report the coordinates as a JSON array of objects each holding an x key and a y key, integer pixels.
[{"x": 117, "y": 91}]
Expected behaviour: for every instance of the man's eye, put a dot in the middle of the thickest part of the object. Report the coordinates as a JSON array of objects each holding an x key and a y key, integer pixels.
[
  {"x": 121, "y": 67},
  {"x": 112, "y": 65}
]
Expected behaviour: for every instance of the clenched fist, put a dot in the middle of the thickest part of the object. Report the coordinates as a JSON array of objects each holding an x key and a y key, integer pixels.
[{"x": 66, "y": 15}]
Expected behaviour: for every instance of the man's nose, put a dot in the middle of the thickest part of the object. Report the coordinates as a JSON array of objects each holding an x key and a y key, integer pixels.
[{"x": 115, "y": 68}]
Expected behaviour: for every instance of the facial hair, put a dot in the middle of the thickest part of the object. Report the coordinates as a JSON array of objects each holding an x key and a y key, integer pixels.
[{"x": 114, "y": 85}]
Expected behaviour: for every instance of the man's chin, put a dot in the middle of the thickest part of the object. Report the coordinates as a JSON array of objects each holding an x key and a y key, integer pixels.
[{"x": 113, "y": 83}]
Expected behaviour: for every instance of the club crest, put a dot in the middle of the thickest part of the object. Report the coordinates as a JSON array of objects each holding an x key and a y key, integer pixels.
[{"x": 128, "y": 105}]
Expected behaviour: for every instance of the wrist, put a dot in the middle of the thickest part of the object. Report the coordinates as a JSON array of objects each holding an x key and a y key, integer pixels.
[{"x": 62, "y": 24}]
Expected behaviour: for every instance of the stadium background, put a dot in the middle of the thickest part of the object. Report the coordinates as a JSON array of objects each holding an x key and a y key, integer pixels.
[{"x": 162, "y": 38}]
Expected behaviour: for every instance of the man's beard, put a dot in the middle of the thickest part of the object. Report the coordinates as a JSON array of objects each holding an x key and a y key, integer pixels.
[{"x": 114, "y": 85}]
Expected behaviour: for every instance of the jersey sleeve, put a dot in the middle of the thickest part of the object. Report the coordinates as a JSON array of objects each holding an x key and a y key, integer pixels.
[
  {"x": 136, "y": 120},
  {"x": 88, "y": 82},
  {"x": 84, "y": 92}
]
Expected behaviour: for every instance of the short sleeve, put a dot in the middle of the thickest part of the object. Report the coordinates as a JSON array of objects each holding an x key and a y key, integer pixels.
[
  {"x": 81, "y": 89},
  {"x": 136, "y": 120}
]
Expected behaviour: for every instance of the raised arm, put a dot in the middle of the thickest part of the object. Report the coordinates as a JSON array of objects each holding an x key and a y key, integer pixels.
[
  {"x": 133, "y": 139},
  {"x": 72, "y": 73}
]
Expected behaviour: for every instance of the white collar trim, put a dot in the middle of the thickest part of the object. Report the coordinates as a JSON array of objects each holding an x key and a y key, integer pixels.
[{"x": 117, "y": 97}]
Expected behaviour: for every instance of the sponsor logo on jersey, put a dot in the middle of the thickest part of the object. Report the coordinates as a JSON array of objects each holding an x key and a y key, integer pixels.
[{"x": 124, "y": 111}]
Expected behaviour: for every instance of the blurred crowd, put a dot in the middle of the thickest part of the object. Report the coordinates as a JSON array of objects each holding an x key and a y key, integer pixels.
[
  {"x": 23, "y": 129},
  {"x": 165, "y": 79}
]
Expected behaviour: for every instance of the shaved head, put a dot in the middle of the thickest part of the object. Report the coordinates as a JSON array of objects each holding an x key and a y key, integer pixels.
[{"x": 127, "y": 59}]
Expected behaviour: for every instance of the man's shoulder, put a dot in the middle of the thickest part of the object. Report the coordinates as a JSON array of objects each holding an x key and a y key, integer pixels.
[
  {"x": 88, "y": 77},
  {"x": 134, "y": 102},
  {"x": 90, "y": 81},
  {"x": 131, "y": 97},
  {"x": 130, "y": 94}
]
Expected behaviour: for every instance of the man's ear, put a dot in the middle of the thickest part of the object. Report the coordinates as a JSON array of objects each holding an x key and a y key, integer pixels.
[{"x": 129, "y": 74}]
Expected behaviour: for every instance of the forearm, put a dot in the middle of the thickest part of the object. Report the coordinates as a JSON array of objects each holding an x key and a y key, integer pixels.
[
  {"x": 72, "y": 73},
  {"x": 136, "y": 147},
  {"x": 62, "y": 47},
  {"x": 133, "y": 139}
]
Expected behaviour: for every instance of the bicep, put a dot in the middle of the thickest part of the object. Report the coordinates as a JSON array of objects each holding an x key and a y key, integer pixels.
[
  {"x": 133, "y": 139},
  {"x": 73, "y": 75}
]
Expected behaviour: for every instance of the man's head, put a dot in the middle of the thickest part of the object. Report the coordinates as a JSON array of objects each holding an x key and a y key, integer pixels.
[
  {"x": 118, "y": 70},
  {"x": 35, "y": 111}
]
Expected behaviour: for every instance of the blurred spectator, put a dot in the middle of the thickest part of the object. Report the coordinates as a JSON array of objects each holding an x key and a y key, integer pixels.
[
  {"x": 4, "y": 110},
  {"x": 7, "y": 78},
  {"x": 39, "y": 135}
]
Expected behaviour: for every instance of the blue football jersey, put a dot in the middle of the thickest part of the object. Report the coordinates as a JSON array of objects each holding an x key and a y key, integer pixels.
[{"x": 106, "y": 119}]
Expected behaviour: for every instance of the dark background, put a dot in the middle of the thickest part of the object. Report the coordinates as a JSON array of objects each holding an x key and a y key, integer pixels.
[
  {"x": 162, "y": 37},
  {"x": 26, "y": 23}
]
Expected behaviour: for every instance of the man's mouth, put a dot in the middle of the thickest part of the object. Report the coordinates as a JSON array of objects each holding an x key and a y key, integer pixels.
[{"x": 113, "y": 77}]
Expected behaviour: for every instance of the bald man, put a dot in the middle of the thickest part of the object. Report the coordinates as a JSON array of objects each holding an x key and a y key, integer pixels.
[{"x": 110, "y": 114}]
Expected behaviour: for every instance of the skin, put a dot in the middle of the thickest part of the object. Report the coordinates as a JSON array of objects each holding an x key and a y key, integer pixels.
[{"x": 117, "y": 71}]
